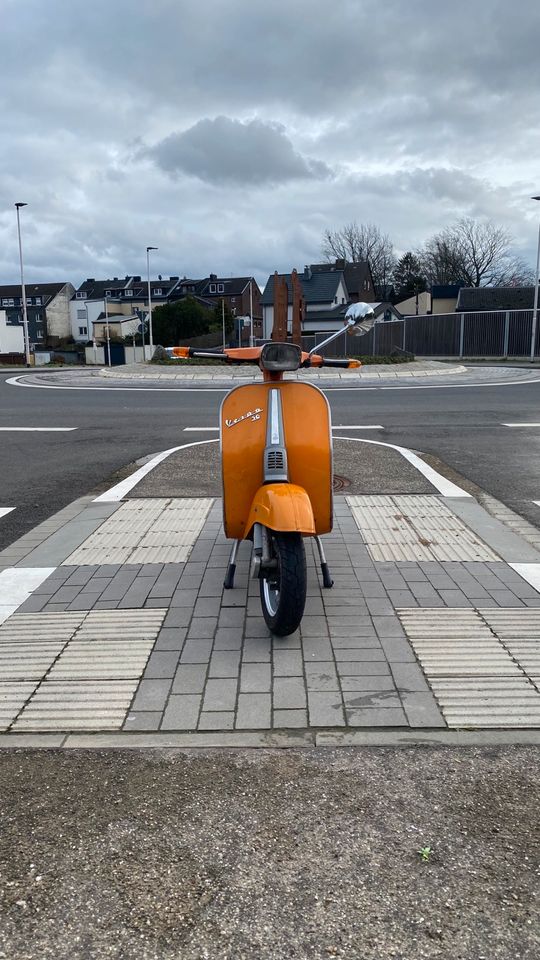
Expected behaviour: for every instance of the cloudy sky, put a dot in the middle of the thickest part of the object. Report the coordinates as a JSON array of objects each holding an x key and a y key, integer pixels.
[{"x": 231, "y": 133}]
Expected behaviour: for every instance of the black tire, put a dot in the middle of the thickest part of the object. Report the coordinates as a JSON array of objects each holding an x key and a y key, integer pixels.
[{"x": 283, "y": 592}]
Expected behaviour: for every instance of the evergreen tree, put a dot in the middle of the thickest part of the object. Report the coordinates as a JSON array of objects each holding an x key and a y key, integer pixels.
[
  {"x": 180, "y": 320},
  {"x": 409, "y": 278}
]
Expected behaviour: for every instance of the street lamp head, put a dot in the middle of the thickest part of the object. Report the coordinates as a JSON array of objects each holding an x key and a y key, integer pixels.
[
  {"x": 151, "y": 248},
  {"x": 19, "y": 205},
  {"x": 535, "y": 198}
]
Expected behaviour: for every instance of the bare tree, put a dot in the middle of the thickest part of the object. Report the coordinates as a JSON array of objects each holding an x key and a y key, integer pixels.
[
  {"x": 478, "y": 254},
  {"x": 362, "y": 241}
]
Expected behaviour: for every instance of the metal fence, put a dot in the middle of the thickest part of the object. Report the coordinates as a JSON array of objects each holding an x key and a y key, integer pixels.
[{"x": 497, "y": 333}]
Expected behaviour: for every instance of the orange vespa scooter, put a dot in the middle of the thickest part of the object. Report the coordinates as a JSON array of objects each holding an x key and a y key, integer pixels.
[{"x": 276, "y": 454}]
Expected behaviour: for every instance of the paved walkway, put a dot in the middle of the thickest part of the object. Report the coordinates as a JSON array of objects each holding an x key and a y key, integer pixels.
[
  {"x": 115, "y": 620},
  {"x": 222, "y": 371}
]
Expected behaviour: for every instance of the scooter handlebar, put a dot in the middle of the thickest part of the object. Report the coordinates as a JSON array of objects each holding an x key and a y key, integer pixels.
[{"x": 253, "y": 355}]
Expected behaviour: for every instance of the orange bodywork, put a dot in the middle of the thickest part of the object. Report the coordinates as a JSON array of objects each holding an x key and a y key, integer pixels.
[{"x": 305, "y": 503}]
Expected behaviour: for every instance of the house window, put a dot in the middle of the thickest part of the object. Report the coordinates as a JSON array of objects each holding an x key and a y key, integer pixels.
[
  {"x": 81, "y": 314},
  {"x": 37, "y": 301},
  {"x": 212, "y": 288},
  {"x": 221, "y": 288},
  {"x": 128, "y": 293},
  {"x": 39, "y": 334},
  {"x": 83, "y": 331},
  {"x": 156, "y": 292},
  {"x": 343, "y": 299},
  {"x": 108, "y": 293},
  {"x": 233, "y": 299},
  {"x": 335, "y": 299},
  {"x": 8, "y": 302},
  {"x": 81, "y": 295}
]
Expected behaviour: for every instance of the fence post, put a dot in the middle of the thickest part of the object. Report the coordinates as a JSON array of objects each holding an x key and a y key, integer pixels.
[
  {"x": 461, "y": 335},
  {"x": 404, "y": 331},
  {"x": 506, "y": 333},
  {"x": 373, "y": 344}
]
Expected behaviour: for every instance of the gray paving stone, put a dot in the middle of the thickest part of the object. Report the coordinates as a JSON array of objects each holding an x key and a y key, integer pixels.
[
  {"x": 283, "y": 719},
  {"x": 230, "y": 617},
  {"x": 325, "y": 709},
  {"x": 228, "y": 638},
  {"x": 171, "y": 638},
  {"x": 220, "y": 695},
  {"x": 67, "y": 594},
  {"x": 119, "y": 585},
  {"x": 57, "y": 607},
  {"x": 182, "y": 712},
  {"x": 254, "y": 711},
  {"x": 362, "y": 653},
  {"x": 207, "y": 607},
  {"x": 363, "y": 668},
  {"x": 196, "y": 651},
  {"x": 316, "y": 648},
  {"x": 289, "y": 693},
  {"x": 506, "y": 599},
  {"x": 404, "y": 598},
  {"x": 147, "y": 720},
  {"x": 367, "y": 683},
  {"x": 388, "y": 627},
  {"x": 422, "y": 710},
  {"x": 34, "y": 604},
  {"x": 95, "y": 585},
  {"x": 287, "y": 663},
  {"x": 184, "y": 598},
  {"x": 137, "y": 593},
  {"x": 398, "y": 650},
  {"x": 409, "y": 678},
  {"x": 161, "y": 665},
  {"x": 235, "y": 598},
  {"x": 256, "y": 650},
  {"x": 292, "y": 642},
  {"x": 82, "y": 575},
  {"x": 371, "y": 699},
  {"x": 379, "y": 607},
  {"x": 377, "y": 717},
  {"x": 314, "y": 626},
  {"x": 223, "y": 720},
  {"x": 322, "y": 676},
  {"x": 454, "y": 598},
  {"x": 177, "y": 617},
  {"x": 356, "y": 643},
  {"x": 256, "y": 678},
  {"x": 106, "y": 605},
  {"x": 151, "y": 695},
  {"x": 190, "y": 678},
  {"x": 256, "y": 627},
  {"x": 202, "y": 627},
  {"x": 85, "y": 601},
  {"x": 224, "y": 663}
]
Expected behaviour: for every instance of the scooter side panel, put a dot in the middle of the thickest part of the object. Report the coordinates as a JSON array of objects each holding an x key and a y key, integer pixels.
[{"x": 306, "y": 420}]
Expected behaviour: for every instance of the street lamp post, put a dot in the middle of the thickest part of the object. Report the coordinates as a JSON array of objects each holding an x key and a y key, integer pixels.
[
  {"x": 251, "y": 340},
  {"x": 150, "y": 331},
  {"x": 106, "y": 302},
  {"x": 536, "y": 285},
  {"x": 23, "y": 288}
]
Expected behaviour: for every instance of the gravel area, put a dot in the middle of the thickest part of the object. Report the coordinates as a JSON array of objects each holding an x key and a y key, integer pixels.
[{"x": 375, "y": 854}]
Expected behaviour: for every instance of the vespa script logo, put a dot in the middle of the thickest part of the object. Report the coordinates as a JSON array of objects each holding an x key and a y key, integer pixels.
[{"x": 252, "y": 415}]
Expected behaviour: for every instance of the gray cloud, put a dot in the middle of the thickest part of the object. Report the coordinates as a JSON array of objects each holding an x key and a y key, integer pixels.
[
  {"x": 224, "y": 150},
  {"x": 406, "y": 115}
]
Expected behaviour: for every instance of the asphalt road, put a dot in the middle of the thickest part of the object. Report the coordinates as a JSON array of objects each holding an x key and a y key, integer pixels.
[{"x": 462, "y": 424}]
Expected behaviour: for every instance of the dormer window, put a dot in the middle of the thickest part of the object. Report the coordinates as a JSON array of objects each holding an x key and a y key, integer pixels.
[
  {"x": 80, "y": 295},
  {"x": 128, "y": 293},
  {"x": 221, "y": 288},
  {"x": 37, "y": 301},
  {"x": 108, "y": 293},
  {"x": 8, "y": 302},
  {"x": 212, "y": 288},
  {"x": 157, "y": 292}
]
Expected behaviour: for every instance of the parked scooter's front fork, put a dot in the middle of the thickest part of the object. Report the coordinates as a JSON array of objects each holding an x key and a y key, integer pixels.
[{"x": 258, "y": 549}]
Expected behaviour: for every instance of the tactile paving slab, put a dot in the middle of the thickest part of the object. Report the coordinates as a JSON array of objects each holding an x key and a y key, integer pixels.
[
  {"x": 415, "y": 528},
  {"x": 145, "y": 531},
  {"x": 476, "y": 677}
]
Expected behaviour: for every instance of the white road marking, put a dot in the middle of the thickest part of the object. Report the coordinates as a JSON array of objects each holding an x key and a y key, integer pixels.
[
  {"x": 16, "y": 585},
  {"x": 201, "y": 429},
  {"x": 4, "y": 510},
  {"x": 529, "y": 571},
  {"x": 444, "y": 486},
  {"x": 521, "y": 424},
  {"x": 37, "y": 429}
]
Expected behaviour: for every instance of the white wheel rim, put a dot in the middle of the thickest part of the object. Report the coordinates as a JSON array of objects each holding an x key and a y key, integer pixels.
[{"x": 271, "y": 597}]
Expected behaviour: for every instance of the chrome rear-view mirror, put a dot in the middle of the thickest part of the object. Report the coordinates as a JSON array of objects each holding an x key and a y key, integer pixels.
[{"x": 359, "y": 318}]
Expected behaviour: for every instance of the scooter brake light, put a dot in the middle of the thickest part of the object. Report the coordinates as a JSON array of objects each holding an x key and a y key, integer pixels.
[{"x": 280, "y": 356}]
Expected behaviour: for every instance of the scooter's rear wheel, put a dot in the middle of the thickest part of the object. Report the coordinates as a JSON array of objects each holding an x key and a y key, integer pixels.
[{"x": 283, "y": 590}]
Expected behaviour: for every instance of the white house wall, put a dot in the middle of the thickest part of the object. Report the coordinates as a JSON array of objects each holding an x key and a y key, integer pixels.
[
  {"x": 58, "y": 313},
  {"x": 11, "y": 337}
]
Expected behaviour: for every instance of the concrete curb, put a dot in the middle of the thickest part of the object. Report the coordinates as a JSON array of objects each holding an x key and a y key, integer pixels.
[{"x": 427, "y": 368}]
